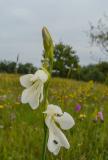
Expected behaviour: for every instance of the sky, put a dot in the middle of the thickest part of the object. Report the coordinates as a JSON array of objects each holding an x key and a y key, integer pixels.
[{"x": 21, "y": 22}]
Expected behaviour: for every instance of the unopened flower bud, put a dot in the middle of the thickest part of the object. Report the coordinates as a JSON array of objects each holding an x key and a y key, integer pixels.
[{"x": 48, "y": 43}]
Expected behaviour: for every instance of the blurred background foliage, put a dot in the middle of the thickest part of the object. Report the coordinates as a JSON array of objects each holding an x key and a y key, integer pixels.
[{"x": 66, "y": 65}]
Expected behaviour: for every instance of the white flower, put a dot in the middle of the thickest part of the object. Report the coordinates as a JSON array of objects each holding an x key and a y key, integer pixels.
[
  {"x": 34, "y": 84},
  {"x": 56, "y": 117}
]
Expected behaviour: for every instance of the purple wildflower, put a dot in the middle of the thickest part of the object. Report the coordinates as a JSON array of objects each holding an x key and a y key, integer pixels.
[
  {"x": 77, "y": 107},
  {"x": 100, "y": 115}
]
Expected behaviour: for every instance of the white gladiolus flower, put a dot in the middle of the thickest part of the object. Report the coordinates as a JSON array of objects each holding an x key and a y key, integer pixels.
[
  {"x": 34, "y": 84},
  {"x": 56, "y": 117}
]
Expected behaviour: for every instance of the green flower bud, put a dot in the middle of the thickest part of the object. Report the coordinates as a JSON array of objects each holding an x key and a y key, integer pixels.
[{"x": 48, "y": 44}]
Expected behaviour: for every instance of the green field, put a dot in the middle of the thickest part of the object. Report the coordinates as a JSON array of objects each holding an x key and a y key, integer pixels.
[{"x": 21, "y": 128}]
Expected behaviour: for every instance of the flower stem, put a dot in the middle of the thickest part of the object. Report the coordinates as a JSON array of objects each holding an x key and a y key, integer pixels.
[
  {"x": 45, "y": 142},
  {"x": 45, "y": 127}
]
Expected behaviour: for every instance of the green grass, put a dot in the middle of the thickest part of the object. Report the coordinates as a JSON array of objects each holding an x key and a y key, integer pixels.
[{"x": 21, "y": 128}]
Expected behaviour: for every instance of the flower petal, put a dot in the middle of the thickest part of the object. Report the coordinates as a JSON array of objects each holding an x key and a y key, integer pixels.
[
  {"x": 34, "y": 99},
  {"x": 48, "y": 121},
  {"x": 32, "y": 94},
  {"x": 53, "y": 143},
  {"x": 53, "y": 110},
  {"x": 26, "y": 80},
  {"x": 41, "y": 75},
  {"x": 59, "y": 134},
  {"x": 56, "y": 151},
  {"x": 65, "y": 121},
  {"x": 25, "y": 95}
]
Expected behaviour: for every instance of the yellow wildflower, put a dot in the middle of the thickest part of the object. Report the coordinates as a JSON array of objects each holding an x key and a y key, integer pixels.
[{"x": 1, "y": 106}]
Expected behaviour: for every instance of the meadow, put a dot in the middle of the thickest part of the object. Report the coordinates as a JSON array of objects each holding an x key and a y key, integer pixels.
[{"x": 21, "y": 128}]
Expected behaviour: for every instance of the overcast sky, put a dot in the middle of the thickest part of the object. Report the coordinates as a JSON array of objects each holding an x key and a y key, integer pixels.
[{"x": 21, "y": 22}]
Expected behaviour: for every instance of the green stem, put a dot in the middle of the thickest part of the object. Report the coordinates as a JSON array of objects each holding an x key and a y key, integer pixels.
[
  {"x": 45, "y": 103},
  {"x": 45, "y": 142}
]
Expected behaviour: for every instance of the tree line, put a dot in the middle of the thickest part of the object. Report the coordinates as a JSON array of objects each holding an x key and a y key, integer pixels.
[
  {"x": 97, "y": 72},
  {"x": 13, "y": 67},
  {"x": 66, "y": 65}
]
